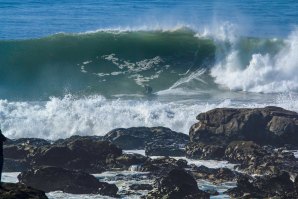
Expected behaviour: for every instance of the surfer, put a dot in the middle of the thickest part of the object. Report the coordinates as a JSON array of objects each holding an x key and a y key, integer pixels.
[
  {"x": 148, "y": 90},
  {"x": 2, "y": 139}
]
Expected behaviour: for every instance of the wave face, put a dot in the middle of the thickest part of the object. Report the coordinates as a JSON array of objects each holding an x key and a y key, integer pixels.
[{"x": 112, "y": 63}]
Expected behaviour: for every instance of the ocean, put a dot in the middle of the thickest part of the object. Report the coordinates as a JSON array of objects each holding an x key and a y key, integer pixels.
[{"x": 87, "y": 67}]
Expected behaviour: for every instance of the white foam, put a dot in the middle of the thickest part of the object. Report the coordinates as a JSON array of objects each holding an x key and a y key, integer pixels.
[
  {"x": 265, "y": 73},
  {"x": 95, "y": 115},
  {"x": 11, "y": 177}
]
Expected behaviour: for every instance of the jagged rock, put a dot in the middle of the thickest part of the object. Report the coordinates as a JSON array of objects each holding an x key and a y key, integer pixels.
[
  {"x": 162, "y": 165},
  {"x": 154, "y": 149},
  {"x": 13, "y": 165},
  {"x": 141, "y": 187},
  {"x": 81, "y": 153},
  {"x": 269, "y": 186},
  {"x": 216, "y": 176},
  {"x": 255, "y": 159},
  {"x": 205, "y": 151},
  {"x": 76, "y": 182},
  {"x": 265, "y": 126},
  {"x": 126, "y": 160},
  {"x": 13, "y": 191},
  {"x": 177, "y": 184},
  {"x": 138, "y": 137}
]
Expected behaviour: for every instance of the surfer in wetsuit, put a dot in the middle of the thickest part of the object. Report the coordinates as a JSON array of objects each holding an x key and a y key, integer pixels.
[
  {"x": 148, "y": 90},
  {"x": 2, "y": 139}
]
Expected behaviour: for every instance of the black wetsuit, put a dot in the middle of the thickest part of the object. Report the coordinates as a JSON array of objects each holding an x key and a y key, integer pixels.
[{"x": 2, "y": 139}]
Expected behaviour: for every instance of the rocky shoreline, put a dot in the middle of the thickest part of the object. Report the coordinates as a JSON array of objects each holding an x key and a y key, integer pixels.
[{"x": 258, "y": 141}]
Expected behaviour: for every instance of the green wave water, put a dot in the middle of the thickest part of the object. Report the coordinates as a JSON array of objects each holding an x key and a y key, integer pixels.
[{"x": 117, "y": 62}]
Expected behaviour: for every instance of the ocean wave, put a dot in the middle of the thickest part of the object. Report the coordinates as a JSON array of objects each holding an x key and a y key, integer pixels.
[
  {"x": 113, "y": 62},
  {"x": 96, "y": 115}
]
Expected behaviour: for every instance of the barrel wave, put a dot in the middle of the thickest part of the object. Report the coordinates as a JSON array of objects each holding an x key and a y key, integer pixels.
[{"x": 113, "y": 63}]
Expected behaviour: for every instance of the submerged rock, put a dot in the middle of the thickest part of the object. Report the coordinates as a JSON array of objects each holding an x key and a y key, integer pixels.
[
  {"x": 177, "y": 184},
  {"x": 141, "y": 187},
  {"x": 12, "y": 191},
  {"x": 58, "y": 179},
  {"x": 265, "y": 126}
]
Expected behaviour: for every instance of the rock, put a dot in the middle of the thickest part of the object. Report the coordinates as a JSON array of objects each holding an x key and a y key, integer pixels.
[
  {"x": 176, "y": 184},
  {"x": 141, "y": 187},
  {"x": 82, "y": 153},
  {"x": 17, "y": 153},
  {"x": 265, "y": 126},
  {"x": 205, "y": 151},
  {"x": 162, "y": 165},
  {"x": 153, "y": 149},
  {"x": 216, "y": 176},
  {"x": 138, "y": 137},
  {"x": 125, "y": 161},
  {"x": 12, "y": 191},
  {"x": 12, "y": 165},
  {"x": 262, "y": 160},
  {"x": 268, "y": 186},
  {"x": 58, "y": 179}
]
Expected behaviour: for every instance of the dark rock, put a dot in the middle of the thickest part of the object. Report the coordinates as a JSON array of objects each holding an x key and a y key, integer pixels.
[
  {"x": 54, "y": 178},
  {"x": 126, "y": 160},
  {"x": 138, "y": 137},
  {"x": 176, "y": 184},
  {"x": 205, "y": 151},
  {"x": 37, "y": 142},
  {"x": 212, "y": 192},
  {"x": 81, "y": 153},
  {"x": 141, "y": 187},
  {"x": 265, "y": 187},
  {"x": 266, "y": 126},
  {"x": 216, "y": 176},
  {"x": 13, "y": 165},
  {"x": 153, "y": 149},
  {"x": 162, "y": 165},
  {"x": 255, "y": 159},
  {"x": 21, "y": 191}
]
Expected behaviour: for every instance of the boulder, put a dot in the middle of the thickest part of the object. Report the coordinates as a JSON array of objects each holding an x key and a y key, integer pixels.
[
  {"x": 12, "y": 191},
  {"x": 177, "y": 184},
  {"x": 162, "y": 165},
  {"x": 15, "y": 165},
  {"x": 82, "y": 153},
  {"x": 153, "y": 149},
  {"x": 269, "y": 186},
  {"x": 265, "y": 126},
  {"x": 140, "y": 187},
  {"x": 263, "y": 160},
  {"x": 58, "y": 179},
  {"x": 138, "y": 137},
  {"x": 216, "y": 176},
  {"x": 205, "y": 151}
]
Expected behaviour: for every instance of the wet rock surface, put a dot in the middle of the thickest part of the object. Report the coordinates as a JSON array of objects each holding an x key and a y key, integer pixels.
[
  {"x": 82, "y": 153},
  {"x": 18, "y": 190},
  {"x": 58, "y": 179},
  {"x": 139, "y": 137},
  {"x": 214, "y": 175},
  {"x": 266, "y": 126},
  {"x": 280, "y": 186},
  {"x": 176, "y": 184}
]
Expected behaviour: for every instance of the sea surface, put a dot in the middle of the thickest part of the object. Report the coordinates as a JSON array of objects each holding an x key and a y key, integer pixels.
[{"x": 87, "y": 67}]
